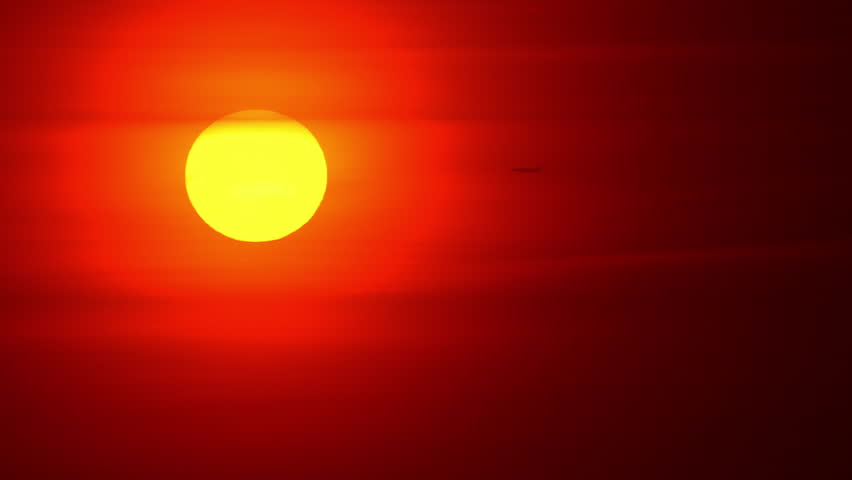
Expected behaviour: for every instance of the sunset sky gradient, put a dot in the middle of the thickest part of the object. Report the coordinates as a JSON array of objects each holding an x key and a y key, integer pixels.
[{"x": 665, "y": 296}]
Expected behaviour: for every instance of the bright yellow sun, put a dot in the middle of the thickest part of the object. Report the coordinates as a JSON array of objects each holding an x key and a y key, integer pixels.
[{"x": 256, "y": 175}]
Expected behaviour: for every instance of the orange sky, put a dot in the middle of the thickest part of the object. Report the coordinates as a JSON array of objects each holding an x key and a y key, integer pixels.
[
  {"x": 422, "y": 113},
  {"x": 139, "y": 84},
  {"x": 667, "y": 296}
]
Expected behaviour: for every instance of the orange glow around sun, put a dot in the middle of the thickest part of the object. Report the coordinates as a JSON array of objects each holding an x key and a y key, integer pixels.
[{"x": 155, "y": 190}]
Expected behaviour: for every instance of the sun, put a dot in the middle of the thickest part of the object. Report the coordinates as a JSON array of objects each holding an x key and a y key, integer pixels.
[{"x": 256, "y": 175}]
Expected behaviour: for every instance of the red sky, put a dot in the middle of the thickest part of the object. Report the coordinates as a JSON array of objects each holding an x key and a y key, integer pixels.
[{"x": 672, "y": 271}]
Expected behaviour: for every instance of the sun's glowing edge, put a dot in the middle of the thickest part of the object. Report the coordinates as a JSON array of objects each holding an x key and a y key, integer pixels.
[{"x": 256, "y": 175}]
